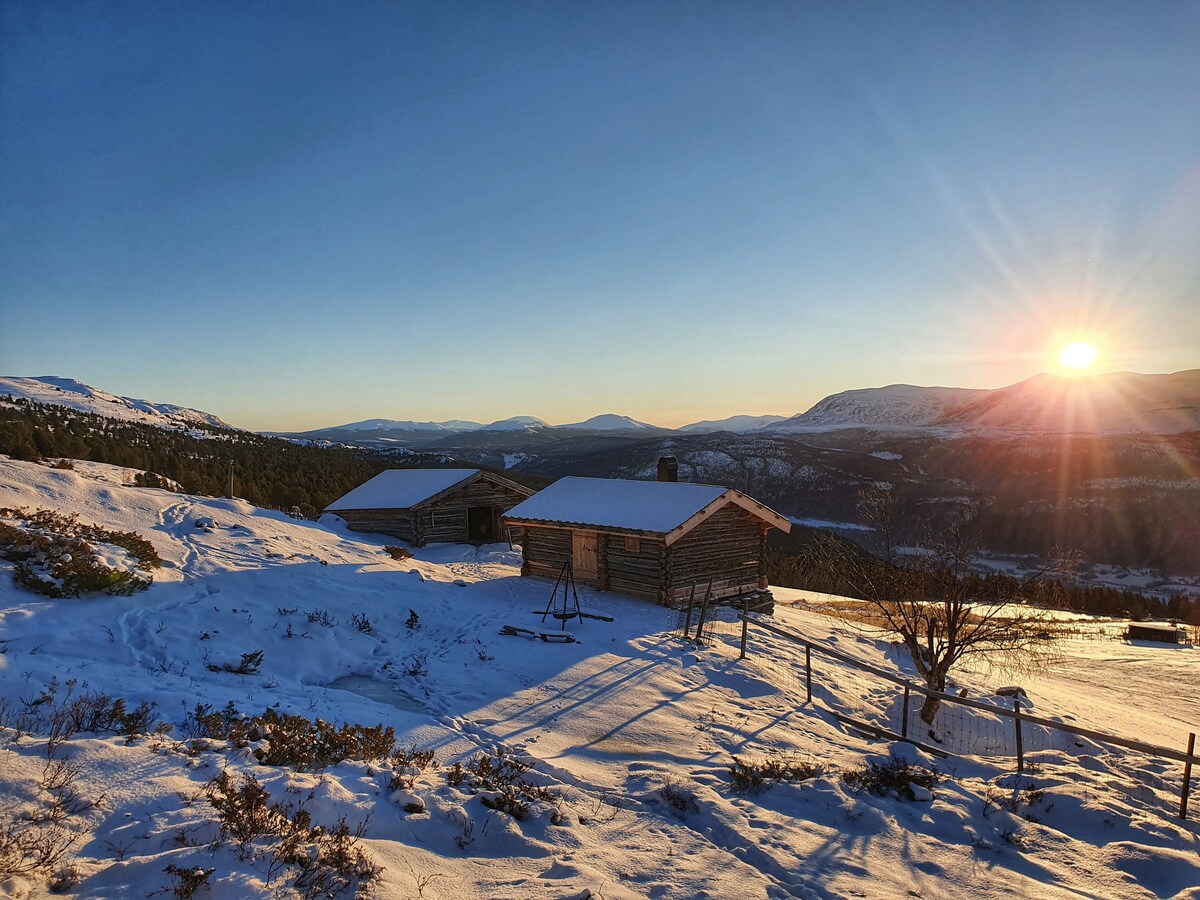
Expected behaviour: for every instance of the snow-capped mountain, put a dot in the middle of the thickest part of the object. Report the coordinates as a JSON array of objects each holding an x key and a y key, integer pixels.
[
  {"x": 68, "y": 392},
  {"x": 611, "y": 422},
  {"x": 894, "y": 406},
  {"x": 517, "y": 423},
  {"x": 736, "y": 424}
]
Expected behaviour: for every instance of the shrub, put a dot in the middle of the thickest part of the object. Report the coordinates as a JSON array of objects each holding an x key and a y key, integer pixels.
[
  {"x": 249, "y": 665},
  {"x": 407, "y": 765},
  {"x": 305, "y": 744},
  {"x": 154, "y": 480},
  {"x": 758, "y": 775},
  {"x": 361, "y": 622},
  {"x": 63, "y": 464},
  {"x": 31, "y": 846},
  {"x": 890, "y": 779},
  {"x": 397, "y": 553},
  {"x": 55, "y": 556},
  {"x": 502, "y": 778},
  {"x": 205, "y": 722},
  {"x": 679, "y": 796},
  {"x": 320, "y": 617},
  {"x": 328, "y": 860},
  {"x": 186, "y": 881},
  {"x": 291, "y": 740}
]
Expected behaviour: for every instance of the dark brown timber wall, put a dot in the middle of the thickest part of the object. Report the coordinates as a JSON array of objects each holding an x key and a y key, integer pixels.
[
  {"x": 545, "y": 550},
  {"x": 397, "y": 523},
  {"x": 729, "y": 547},
  {"x": 642, "y": 573}
]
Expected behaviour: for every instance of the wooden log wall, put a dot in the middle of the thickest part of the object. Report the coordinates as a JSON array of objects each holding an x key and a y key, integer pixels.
[
  {"x": 729, "y": 547},
  {"x": 445, "y": 519},
  {"x": 545, "y": 550},
  {"x": 642, "y": 574},
  {"x": 396, "y": 523}
]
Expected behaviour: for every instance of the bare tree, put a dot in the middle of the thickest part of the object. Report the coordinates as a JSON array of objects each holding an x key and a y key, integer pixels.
[{"x": 929, "y": 597}]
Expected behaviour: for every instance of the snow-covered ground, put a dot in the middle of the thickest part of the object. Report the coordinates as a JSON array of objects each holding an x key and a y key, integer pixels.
[{"x": 606, "y": 722}]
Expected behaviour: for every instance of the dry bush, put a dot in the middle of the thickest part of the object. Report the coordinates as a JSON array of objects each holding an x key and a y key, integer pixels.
[
  {"x": 890, "y": 779},
  {"x": 679, "y": 796},
  {"x": 407, "y": 765},
  {"x": 320, "y": 861},
  {"x": 502, "y": 777},
  {"x": 759, "y": 774},
  {"x": 249, "y": 664},
  {"x": 54, "y": 554}
]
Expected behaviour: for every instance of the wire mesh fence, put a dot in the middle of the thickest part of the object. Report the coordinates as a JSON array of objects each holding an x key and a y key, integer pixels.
[{"x": 998, "y": 728}]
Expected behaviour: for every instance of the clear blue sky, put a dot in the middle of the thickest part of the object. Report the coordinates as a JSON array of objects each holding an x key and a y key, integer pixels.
[{"x": 304, "y": 214}]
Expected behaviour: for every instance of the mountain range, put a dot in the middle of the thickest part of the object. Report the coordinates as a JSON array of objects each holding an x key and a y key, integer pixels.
[
  {"x": 1107, "y": 404},
  {"x": 1106, "y": 465}
]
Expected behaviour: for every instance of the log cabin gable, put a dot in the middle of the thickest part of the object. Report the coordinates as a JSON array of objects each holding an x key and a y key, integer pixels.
[
  {"x": 764, "y": 514},
  {"x": 502, "y": 484}
]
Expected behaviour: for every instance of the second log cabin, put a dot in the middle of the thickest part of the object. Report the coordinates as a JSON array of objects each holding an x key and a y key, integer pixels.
[
  {"x": 652, "y": 539},
  {"x": 422, "y": 506}
]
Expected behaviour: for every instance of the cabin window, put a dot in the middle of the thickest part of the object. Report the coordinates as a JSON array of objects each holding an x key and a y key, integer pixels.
[{"x": 633, "y": 545}]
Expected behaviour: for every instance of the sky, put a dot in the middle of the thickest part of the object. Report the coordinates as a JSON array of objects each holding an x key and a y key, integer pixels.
[{"x": 298, "y": 215}]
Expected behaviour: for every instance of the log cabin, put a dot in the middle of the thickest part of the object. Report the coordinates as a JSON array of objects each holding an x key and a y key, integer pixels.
[
  {"x": 652, "y": 539},
  {"x": 423, "y": 506},
  {"x": 1160, "y": 632}
]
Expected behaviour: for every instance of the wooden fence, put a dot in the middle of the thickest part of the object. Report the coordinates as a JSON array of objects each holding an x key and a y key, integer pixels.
[{"x": 708, "y": 624}]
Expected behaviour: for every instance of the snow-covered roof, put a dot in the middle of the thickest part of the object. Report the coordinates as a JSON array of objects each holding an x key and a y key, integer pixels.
[
  {"x": 657, "y": 507},
  {"x": 401, "y": 488}
]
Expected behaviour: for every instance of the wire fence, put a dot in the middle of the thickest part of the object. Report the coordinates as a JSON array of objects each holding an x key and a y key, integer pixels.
[{"x": 880, "y": 703}]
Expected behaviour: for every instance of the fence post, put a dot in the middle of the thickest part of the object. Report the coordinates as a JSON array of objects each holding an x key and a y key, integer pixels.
[
  {"x": 808, "y": 670},
  {"x": 687, "y": 623},
  {"x": 1020, "y": 745},
  {"x": 1187, "y": 776},
  {"x": 703, "y": 614},
  {"x": 745, "y": 624},
  {"x": 904, "y": 721}
]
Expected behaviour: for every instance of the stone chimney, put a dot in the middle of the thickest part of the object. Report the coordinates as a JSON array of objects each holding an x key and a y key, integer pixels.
[{"x": 668, "y": 468}]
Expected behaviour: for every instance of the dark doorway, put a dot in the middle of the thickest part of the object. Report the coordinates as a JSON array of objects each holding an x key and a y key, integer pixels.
[{"x": 481, "y": 525}]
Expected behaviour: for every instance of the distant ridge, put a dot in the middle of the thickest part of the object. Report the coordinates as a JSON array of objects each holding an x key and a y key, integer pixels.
[{"x": 736, "y": 424}]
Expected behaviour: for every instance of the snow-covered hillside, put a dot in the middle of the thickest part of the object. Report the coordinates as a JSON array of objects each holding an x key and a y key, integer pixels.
[
  {"x": 1111, "y": 403},
  {"x": 1116, "y": 403},
  {"x": 76, "y": 395},
  {"x": 894, "y": 406},
  {"x": 629, "y": 727}
]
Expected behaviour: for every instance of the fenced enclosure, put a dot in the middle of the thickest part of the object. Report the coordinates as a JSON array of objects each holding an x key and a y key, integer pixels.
[{"x": 998, "y": 729}]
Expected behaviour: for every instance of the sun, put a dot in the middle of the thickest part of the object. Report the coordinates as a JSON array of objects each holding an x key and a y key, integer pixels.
[{"x": 1078, "y": 355}]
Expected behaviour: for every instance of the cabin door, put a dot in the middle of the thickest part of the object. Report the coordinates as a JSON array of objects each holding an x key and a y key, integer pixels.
[
  {"x": 481, "y": 523},
  {"x": 585, "y": 556}
]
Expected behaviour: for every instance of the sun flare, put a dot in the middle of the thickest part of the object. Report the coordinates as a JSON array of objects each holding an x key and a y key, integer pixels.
[{"x": 1078, "y": 355}]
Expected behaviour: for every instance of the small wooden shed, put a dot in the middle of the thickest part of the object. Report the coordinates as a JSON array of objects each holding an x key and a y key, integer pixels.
[
  {"x": 652, "y": 539},
  {"x": 422, "y": 506},
  {"x": 1162, "y": 632}
]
